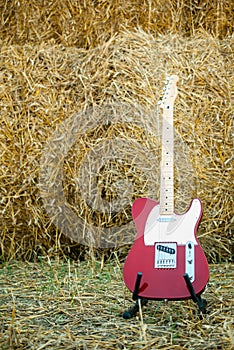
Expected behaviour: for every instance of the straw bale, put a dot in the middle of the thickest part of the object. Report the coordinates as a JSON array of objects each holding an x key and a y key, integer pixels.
[
  {"x": 87, "y": 23},
  {"x": 113, "y": 90}
]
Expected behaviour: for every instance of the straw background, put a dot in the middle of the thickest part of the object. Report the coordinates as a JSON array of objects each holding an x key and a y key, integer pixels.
[
  {"x": 87, "y": 23},
  {"x": 65, "y": 57}
]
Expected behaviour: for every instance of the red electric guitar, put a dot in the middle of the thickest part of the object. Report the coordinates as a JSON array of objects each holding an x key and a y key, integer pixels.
[{"x": 166, "y": 249}]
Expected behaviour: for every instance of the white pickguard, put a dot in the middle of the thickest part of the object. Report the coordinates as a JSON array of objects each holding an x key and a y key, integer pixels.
[{"x": 174, "y": 228}]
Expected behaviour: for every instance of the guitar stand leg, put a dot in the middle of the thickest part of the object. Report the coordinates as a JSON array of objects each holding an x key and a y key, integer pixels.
[
  {"x": 196, "y": 298},
  {"x": 133, "y": 310}
]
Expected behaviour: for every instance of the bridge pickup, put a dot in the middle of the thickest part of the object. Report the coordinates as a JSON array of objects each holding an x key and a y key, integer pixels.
[{"x": 165, "y": 255}]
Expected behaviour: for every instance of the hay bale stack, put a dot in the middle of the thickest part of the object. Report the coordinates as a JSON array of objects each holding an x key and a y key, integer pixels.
[
  {"x": 88, "y": 23},
  {"x": 112, "y": 90}
]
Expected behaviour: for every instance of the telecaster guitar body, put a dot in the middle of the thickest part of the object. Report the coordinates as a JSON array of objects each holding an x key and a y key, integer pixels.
[{"x": 164, "y": 259}]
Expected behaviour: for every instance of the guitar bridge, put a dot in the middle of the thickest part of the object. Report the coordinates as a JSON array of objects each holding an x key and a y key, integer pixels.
[{"x": 165, "y": 255}]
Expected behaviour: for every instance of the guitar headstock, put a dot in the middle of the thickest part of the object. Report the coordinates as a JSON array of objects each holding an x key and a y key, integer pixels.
[{"x": 170, "y": 92}]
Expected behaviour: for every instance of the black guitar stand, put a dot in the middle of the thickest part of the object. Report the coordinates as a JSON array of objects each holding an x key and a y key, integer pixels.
[
  {"x": 134, "y": 310},
  {"x": 196, "y": 298},
  {"x": 201, "y": 303}
]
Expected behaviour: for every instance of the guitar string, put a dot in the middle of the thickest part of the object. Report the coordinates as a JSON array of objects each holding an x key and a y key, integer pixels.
[
  {"x": 161, "y": 122},
  {"x": 166, "y": 121},
  {"x": 159, "y": 253}
]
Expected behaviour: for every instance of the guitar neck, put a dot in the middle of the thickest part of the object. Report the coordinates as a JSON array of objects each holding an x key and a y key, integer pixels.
[
  {"x": 167, "y": 164},
  {"x": 167, "y": 159}
]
